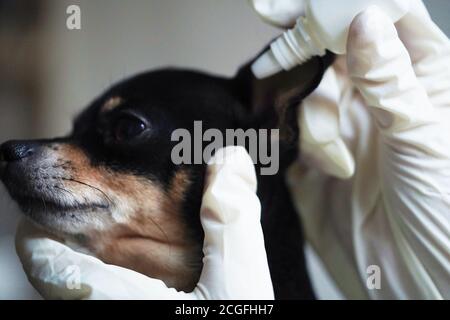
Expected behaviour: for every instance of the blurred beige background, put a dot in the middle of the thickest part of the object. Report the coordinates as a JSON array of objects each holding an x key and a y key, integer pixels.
[{"x": 49, "y": 73}]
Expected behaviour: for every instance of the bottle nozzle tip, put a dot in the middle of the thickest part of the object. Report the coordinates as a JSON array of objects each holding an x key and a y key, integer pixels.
[{"x": 266, "y": 66}]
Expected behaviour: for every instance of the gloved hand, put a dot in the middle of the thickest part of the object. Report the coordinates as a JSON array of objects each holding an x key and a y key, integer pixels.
[
  {"x": 373, "y": 185},
  {"x": 235, "y": 262}
]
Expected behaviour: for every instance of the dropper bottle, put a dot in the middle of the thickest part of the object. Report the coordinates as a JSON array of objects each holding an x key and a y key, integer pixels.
[{"x": 325, "y": 26}]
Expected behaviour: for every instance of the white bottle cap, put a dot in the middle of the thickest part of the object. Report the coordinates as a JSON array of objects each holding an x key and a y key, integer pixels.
[
  {"x": 266, "y": 65},
  {"x": 291, "y": 49}
]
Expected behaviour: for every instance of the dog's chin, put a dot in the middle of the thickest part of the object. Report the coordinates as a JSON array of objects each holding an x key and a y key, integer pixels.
[{"x": 63, "y": 218}]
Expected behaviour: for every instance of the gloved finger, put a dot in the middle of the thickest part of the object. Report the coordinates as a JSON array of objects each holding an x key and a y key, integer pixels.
[
  {"x": 380, "y": 67},
  {"x": 280, "y": 13},
  {"x": 429, "y": 49},
  {"x": 320, "y": 139},
  {"x": 235, "y": 262},
  {"x": 58, "y": 272}
]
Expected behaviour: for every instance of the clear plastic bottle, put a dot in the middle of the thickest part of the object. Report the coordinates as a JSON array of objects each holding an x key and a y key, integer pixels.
[{"x": 324, "y": 27}]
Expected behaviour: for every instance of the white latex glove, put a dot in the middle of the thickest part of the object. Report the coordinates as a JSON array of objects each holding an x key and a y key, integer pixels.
[
  {"x": 373, "y": 187},
  {"x": 235, "y": 262}
]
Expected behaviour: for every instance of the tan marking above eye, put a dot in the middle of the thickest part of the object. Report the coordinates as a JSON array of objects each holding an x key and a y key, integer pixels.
[{"x": 111, "y": 104}]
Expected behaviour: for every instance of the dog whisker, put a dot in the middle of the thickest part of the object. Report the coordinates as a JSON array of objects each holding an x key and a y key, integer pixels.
[
  {"x": 89, "y": 186},
  {"x": 70, "y": 193}
]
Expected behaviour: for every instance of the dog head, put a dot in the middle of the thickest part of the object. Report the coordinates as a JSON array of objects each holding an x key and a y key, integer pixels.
[{"x": 111, "y": 185}]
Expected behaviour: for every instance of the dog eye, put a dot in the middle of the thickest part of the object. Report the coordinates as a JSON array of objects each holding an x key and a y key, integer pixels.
[{"x": 128, "y": 128}]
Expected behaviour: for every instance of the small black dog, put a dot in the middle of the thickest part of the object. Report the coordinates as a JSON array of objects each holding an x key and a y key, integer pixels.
[{"x": 111, "y": 185}]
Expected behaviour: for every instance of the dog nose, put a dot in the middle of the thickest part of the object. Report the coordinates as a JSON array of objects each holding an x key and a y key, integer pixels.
[{"x": 16, "y": 150}]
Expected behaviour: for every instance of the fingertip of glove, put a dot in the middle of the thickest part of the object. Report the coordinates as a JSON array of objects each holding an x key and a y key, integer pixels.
[
  {"x": 333, "y": 158},
  {"x": 370, "y": 26},
  {"x": 342, "y": 164},
  {"x": 230, "y": 187},
  {"x": 236, "y": 160}
]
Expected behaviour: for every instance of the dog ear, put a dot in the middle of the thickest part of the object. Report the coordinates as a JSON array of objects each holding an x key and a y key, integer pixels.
[{"x": 275, "y": 100}]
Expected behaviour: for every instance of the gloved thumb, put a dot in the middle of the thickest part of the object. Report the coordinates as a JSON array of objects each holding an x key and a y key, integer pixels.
[
  {"x": 321, "y": 143},
  {"x": 235, "y": 261},
  {"x": 381, "y": 69}
]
